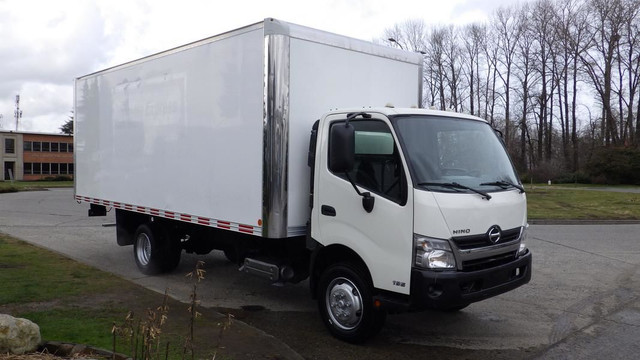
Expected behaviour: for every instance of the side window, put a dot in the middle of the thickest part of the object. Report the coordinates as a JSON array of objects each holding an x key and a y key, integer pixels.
[
  {"x": 9, "y": 146},
  {"x": 378, "y": 167}
]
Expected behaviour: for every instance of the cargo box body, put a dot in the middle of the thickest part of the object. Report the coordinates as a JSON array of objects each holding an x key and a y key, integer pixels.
[{"x": 216, "y": 132}]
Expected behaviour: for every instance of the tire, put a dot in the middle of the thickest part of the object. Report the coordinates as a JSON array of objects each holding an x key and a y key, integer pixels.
[
  {"x": 346, "y": 305},
  {"x": 153, "y": 251},
  {"x": 455, "y": 308}
]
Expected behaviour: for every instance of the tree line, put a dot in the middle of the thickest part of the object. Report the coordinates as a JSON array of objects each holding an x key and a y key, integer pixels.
[{"x": 559, "y": 78}]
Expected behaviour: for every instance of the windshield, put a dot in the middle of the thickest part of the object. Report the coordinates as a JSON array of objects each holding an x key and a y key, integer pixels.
[{"x": 442, "y": 151}]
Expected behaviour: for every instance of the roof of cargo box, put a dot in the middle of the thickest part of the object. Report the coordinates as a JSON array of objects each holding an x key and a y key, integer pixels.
[{"x": 273, "y": 26}]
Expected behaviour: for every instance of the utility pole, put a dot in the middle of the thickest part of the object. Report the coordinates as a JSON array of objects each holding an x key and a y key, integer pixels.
[{"x": 18, "y": 112}]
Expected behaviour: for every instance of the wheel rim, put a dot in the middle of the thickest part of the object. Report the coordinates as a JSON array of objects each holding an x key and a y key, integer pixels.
[
  {"x": 344, "y": 304},
  {"x": 143, "y": 249}
]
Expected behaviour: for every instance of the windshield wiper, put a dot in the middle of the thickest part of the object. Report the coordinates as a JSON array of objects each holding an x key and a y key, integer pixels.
[
  {"x": 504, "y": 184},
  {"x": 455, "y": 185}
]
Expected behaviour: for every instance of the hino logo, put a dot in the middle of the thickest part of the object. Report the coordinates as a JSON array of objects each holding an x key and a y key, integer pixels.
[
  {"x": 494, "y": 234},
  {"x": 461, "y": 231}
]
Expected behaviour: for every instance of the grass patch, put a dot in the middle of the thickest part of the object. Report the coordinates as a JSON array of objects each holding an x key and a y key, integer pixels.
[
  {"x": 75, "y": 303},
  {"x": 29, "y": 273},
  {"x": 573, "y": 202},
  {"x": 78, "y": 325},
  {"x": 8, "y": 186}
]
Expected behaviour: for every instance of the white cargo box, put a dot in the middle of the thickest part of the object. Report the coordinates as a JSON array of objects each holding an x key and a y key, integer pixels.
[{"x": 216, "y": 132}]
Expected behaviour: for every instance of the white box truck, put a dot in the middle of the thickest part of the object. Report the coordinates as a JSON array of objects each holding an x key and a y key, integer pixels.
[{"x": 274, "y": 143}]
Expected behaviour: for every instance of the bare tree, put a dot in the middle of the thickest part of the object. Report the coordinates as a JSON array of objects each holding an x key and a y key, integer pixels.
[
  {"x": 508, "y": 28},
  {"x": 435, "y": 58},
  {"x": 491, "y": 51},
  {"x": 472, "y": 41},
  {"x": 524, "y": 72},
  {"x": 452, "y": 61},
  {"x": 542, "y": 14},
  {"x": 572, "y": 25},
  {"x": 606, "y": 24}
]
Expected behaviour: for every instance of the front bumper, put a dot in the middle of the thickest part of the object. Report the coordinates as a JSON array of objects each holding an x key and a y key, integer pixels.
[{"x": 452, "y": 289}]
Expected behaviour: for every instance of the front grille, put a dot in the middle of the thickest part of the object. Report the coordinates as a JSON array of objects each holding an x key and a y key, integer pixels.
[
  {"x": 479, "y": 241},
  {"x": 488, "y": 262}
]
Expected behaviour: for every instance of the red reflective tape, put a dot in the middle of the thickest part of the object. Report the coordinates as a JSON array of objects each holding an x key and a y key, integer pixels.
[
  {"x": 155, "y": 212},
  {"x": 141, "y": 209},
  {"x": 203, "y": 221},
  {"x": 117, "y": 205},
  {"x": 169, "y": 214},
  {"x": 184, "y": 217},
  {"x": 224, "y": 224},
  {"x": 128, "y": 207},
  {"x": 245, "y": 230}
]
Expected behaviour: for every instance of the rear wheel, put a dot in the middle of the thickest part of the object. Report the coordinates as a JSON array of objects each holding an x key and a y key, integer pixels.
[
  {"x": 232, "y": 255},
  {"x": 346, "y": 304},
  {"x": 153, "y": 251}
]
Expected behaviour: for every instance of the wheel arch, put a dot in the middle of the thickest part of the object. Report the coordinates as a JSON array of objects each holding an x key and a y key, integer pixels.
[{"x": 325, "y": 256}]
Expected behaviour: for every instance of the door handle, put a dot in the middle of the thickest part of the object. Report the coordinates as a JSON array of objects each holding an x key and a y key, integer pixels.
[{"x": 328, "y": 210}]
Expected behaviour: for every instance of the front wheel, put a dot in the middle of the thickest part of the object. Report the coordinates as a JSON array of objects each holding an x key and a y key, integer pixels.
[{"x": 346, "y": 304}]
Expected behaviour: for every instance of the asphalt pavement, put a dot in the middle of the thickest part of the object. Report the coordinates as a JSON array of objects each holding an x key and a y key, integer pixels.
[{"x": 583, "y": 300}]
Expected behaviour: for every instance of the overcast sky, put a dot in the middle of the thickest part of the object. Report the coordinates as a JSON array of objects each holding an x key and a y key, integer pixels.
[{"x": 46, "y": 44}]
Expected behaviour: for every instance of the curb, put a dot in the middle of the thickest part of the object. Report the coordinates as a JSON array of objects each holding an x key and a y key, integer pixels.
[
  {"x": 582, "y": 222},
  {"x": 78, "y": 351}
]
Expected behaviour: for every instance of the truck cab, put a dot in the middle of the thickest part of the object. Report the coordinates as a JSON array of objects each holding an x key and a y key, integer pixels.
[{"x": 411, "y": 209}]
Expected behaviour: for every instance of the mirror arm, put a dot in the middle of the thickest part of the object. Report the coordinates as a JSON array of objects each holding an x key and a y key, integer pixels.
[{"x": 367, "y": 200}]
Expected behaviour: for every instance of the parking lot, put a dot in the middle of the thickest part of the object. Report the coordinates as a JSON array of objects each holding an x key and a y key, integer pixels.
[{"x": 583, "y": 300}]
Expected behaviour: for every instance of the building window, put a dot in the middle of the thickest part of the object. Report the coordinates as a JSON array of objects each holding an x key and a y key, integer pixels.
[
  {"x": 36, "y": 168},
  {"x": 27, "y": 146},
  {"x": 70, "y": 147},
  {"x": 63, "y": 147},
  {"x": 45, "y": 168},
  {"x": 36, "y": 145},
  {"x": 27, "y": 169},
  {"x": 54, "y": 147},
  {"x": 54, "y": 169},
  {"x": 70, "y": 168},
  {"x": 63, "y": 168},
  {"x": 45, "y": 146},
  {"x": 10, "y": 146}
]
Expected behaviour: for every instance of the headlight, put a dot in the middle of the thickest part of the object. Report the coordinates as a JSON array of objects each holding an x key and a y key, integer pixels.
[
  {"x": 522, "y": 250},
  {"x": 525, "y": 231},
  {"x": 523, "y": 247},
  {"x": 433, "y": 253}
]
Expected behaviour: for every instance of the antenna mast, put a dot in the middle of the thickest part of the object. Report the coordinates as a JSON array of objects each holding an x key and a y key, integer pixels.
[{"x": 18, "y": 112}]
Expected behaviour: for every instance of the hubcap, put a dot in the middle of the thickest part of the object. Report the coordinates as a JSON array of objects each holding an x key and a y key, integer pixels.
[
  {"x": 143, "y": 249},
  {"x": 344, "y": 304}
]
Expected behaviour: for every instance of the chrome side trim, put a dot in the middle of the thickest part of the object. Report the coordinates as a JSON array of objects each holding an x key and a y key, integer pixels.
[
  {"x": 275, "y": 171},
  {"x": 421, "y": 85}
]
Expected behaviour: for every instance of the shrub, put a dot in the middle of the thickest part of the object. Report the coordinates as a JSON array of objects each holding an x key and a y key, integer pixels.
[
  {"x": 615, "y": 166},
  {"x": 57, "y": 178}
]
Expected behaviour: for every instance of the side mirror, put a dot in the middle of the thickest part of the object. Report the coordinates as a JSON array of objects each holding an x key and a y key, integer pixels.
[{"x": 342, "y": 145}]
